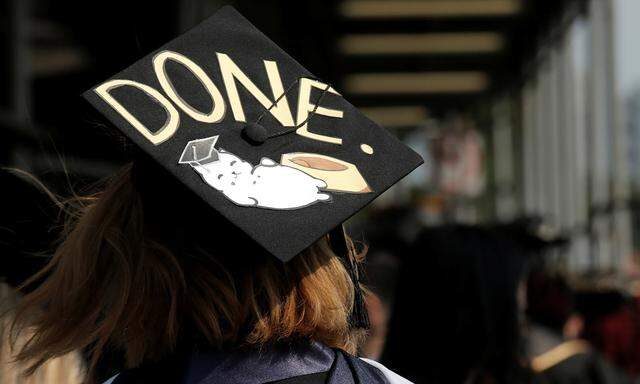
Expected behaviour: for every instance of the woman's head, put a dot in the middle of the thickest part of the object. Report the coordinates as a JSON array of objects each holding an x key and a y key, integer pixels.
[
  {"x": 468, "y": 278},
  {"x": 140, "y": 271}
]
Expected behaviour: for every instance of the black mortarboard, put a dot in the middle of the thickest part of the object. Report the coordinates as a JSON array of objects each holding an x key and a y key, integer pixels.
[{"x": 276, "y": 151}]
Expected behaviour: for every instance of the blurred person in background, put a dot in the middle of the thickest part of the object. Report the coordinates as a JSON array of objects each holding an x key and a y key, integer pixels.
[
  {"x": 618, "y": 335},
  {"x": 457, "y": 315},
  {"x": 611, "y": 324},
  {"x": 558, "y": 354},
  {"x": 389, "y": 234}
]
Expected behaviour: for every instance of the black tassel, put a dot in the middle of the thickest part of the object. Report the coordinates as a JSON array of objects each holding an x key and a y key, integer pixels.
[{"x": 359, "y": 317}]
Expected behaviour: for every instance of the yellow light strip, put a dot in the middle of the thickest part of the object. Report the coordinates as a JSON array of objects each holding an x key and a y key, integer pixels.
[
  {"x": 558, "y": 354},
  {"x": 429, "y": 43},
  {"x": 396, "y": 116},
  {"x": 434, "y": 8},
  {"x": 46, "y": 61},
  {"x": 416, "y": 83}
]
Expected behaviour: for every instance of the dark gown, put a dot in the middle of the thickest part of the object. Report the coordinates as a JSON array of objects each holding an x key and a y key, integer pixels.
[
  {"x": 579, "y": 366},
  {"x": 300, "y": 364}
]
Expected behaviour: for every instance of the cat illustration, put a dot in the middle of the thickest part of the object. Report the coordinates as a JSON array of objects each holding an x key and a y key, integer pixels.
[{"x": 267, "y": 185}]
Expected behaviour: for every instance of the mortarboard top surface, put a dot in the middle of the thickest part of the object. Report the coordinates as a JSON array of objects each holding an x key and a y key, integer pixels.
[{"x": 187, "y": 103}]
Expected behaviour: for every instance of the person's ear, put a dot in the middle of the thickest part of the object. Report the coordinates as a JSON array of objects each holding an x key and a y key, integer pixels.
[{"x": 573, "y": 327}]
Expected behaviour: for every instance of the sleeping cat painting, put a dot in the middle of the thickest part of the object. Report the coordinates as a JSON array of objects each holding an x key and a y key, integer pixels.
[{"x": 266, "y": 185}]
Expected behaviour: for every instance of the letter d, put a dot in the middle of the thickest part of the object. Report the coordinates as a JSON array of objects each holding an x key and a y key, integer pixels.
[{"x": 173, "y": 117}]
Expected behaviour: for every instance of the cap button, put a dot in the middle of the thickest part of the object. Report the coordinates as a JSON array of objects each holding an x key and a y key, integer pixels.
[{"x": 254, "y": 133}]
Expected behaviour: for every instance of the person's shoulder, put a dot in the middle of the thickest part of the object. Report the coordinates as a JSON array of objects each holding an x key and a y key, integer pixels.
[{"x": 392, "y": 377}]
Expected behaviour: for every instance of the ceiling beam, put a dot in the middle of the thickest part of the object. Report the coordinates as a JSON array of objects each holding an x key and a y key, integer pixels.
[
  {"x": 421, "y": 44},
  {"x": 411, "y": 9},
  {"x": 416, "y": 83},
  {"x": 396, "y": 116}
]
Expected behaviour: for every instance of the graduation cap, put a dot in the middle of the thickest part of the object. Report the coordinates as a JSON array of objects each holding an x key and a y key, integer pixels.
[
  {"x": 276, "y": 151},
  {"x": 200, "y": 151}
]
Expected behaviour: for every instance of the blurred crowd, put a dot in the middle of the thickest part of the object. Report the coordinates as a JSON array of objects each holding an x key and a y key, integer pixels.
[{"x": 486, "y": 304}]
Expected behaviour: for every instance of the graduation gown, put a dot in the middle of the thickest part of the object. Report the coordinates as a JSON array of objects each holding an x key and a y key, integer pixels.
[
  {"x": 300, "y": 364},
  {"x": 575, "y": 362}
]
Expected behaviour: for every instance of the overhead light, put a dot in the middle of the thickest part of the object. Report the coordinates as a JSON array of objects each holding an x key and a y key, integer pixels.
[
  {"x": 427, "y": 43},
  {"x": 396, "y": 116},
  {"x": 416, "y": 83},
  {"x": 49, "y": 61},
  {"x": 435, "y": 8}
]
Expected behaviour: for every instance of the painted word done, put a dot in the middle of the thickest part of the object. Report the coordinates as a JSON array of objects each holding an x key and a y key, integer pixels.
[{"x": 232, "y": 75}]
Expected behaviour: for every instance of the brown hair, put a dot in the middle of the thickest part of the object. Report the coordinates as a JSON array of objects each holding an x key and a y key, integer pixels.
[{"x": 112, "y": 282}]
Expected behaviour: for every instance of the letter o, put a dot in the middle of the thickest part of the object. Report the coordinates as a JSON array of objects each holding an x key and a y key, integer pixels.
[{"x": 217, "y": 112}]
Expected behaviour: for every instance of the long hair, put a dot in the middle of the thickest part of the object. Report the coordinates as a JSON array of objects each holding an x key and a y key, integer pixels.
[
  {"x": 468, "y": 280},
  {"x": 124, "y": 278}
]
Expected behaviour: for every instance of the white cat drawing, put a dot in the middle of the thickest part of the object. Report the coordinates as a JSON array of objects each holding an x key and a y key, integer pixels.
[{"x": 267, "y": 185}]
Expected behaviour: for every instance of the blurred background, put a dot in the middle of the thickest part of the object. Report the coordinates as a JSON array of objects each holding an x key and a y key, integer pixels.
[{"x": 518, "y": 238}]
